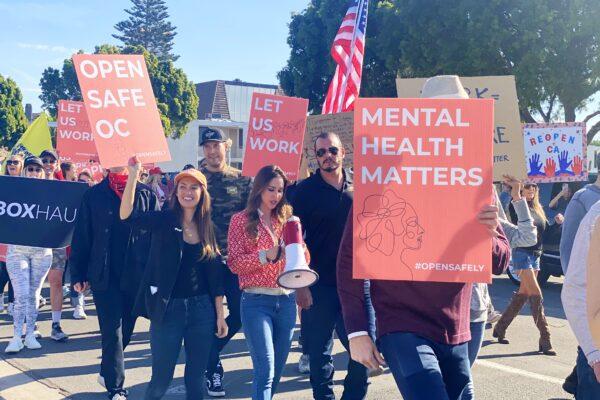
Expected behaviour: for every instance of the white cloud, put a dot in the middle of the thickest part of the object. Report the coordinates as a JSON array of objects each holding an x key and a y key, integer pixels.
[{"x": 46, "y": 47}]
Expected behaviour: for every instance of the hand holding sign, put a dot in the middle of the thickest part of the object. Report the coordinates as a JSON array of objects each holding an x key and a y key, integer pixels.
[
  {"x": 134, "y": 166},
  {"x": 515, "y": 186}
]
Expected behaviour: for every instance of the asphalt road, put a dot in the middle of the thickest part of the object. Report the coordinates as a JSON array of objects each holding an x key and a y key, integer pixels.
[{"x": 514, "y": 371}]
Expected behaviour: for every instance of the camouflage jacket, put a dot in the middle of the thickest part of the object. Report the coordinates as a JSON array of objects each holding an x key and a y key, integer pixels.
[{"x": 229, "y": 192}]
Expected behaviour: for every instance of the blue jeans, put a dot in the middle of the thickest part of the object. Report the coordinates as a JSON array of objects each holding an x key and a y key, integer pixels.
[
  {"x": 269, "y": 326},
  {"x": 232, "y": 293},
  {"x": 322, "y": 318},
  {"x": 525, "y": 259},
  {"x": 474, "y": 345},
  {"x": 424, "y": 369},
  {"x": 588, "y": 387},
  {"x": 191, "y": 320}
]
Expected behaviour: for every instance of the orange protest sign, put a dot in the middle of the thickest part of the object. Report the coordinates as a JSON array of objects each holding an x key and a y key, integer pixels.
[
  {"x": 121, "y": 108},
  {"x": 74, "y": 139},
  {"x": 275, "y": 134},
  {"x": 422, "y": 172}
]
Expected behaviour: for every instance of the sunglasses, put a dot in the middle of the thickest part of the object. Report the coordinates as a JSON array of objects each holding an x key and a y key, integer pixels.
[
  {"x": 34, "y": 169},
  {"x": 530, "y": 185},
  {"x": 48, "y": 160},
  {"x": 333, "y": 150},
  {"x": 13, "y": 162}
]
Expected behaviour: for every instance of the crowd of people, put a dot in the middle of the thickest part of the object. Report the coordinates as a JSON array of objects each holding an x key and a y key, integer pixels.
[{"x": 173, "y": 250}]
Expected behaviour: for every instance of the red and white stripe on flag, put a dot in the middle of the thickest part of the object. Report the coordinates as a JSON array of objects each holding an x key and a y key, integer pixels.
[{"x": 348, "y": 51}]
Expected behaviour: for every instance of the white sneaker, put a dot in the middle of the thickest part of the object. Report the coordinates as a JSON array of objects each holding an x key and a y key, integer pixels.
[
  {"x": 119, "y": 396},
  {"x": 101, "y": 381},
  {"x": 14, "y": 346},
  {"x": 79, "y": 313},
  {"x": 31, "y": 342}
]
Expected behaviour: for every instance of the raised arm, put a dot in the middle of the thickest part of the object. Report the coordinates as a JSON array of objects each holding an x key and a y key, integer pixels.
[{"x": 129, "y": 193}]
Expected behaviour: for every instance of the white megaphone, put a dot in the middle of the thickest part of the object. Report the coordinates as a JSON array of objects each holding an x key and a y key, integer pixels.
[{"x": 297, "y": 274}]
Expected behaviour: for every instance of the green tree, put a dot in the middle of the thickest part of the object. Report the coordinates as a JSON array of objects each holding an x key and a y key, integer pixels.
[
  {"x": 148, "y": 26},
  {"x": 12, "y": 115},
  {"x": 551, "y": 46},
  {"x": 176, "y": 96}
]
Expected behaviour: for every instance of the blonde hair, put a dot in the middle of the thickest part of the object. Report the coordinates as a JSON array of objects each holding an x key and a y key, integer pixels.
[{"x": 535, "y": 204}]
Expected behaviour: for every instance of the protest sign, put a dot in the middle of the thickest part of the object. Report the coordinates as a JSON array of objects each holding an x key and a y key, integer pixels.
[
  {"x": 555, "y": 152},
  {"x": 342, "y": 124},
  {"x": 74, "y": 139},
  {"x": 508, "y": 151},
  {"x": 414, "y": 158},
  {"x": 38, "y": 212},
  {"x": 275, "y": 133},
  {"x": 121, "y": 108}
]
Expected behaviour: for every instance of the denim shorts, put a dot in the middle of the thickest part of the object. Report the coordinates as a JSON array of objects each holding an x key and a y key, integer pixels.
[{"x": 525, "y": 259}]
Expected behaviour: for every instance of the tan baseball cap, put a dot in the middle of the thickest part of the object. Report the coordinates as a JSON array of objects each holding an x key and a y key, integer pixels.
[{"x": 191, "y": 173}]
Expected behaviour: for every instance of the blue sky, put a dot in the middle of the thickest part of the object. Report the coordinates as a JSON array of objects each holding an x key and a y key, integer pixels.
[{"x": 224, "y": 39}]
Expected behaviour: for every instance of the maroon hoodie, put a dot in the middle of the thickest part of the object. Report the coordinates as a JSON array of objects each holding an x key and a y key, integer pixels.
[{"x": 434, "y": 310}]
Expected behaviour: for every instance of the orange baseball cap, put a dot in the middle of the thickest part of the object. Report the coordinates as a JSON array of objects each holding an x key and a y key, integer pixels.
[{"x": 191, "y": 173}]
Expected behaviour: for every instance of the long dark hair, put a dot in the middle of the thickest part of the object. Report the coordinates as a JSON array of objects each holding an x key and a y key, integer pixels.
[
  {"x": 206, "y": 230},
  {"x": 261, "y": 181}
]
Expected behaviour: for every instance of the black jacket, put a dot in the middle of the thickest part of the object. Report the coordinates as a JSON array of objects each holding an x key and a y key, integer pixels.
[
  {"x": 90, "y": 258},
  {"x": 323, "y": 211},
  {"x": 164, "y": 262}
]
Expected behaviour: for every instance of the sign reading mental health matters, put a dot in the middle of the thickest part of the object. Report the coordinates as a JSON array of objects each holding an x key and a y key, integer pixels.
[
  {"x": 508, "y": 151},
  {"x": 121, "y": 108},
  {"x": 38, "y": 212},
  {"x": 275, "y": 134},
  {"x": 555, "y": 152},
  {"x": 422, "y": 173}
]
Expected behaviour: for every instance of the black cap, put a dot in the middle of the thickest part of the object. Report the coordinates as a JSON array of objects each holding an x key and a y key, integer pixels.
[
  {"x": 33, "y": 160},
  {"x": 188, "y": 166},
  {"x": 49, "y": 152},
  {"x": 211, "y": 135}
]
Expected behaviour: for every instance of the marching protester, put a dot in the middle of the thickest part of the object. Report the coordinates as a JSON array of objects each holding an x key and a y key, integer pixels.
[
  {"x": 424, "y": 343},
  {"x": 322, "y": 203},
  {"x": 59, "y": 257},
  {"x": 560, "y": 202},
  {"x": 182, "y": 288},
  {"x": 69, "y": 171},
  {"x": 109, "y": 256},
  {"x": 579, "y": 295},
  {"x": 581, "y": 202},
  {"x": 229, "y": 192},
  {"x": 593, "y": 277},
  {"x": 27, "y": 268},
  {"x": 85, "y": 177},
  {"x": 522, "y": 234},
  {"x": 256, "y": 256},
  {"x": 526, "y": 262},
  {"x": 154, "y": 181},
  {"x": 14, "y": 167}
]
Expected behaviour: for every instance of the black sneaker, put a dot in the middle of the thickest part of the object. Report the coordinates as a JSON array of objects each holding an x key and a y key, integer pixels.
[
  {"x": 214, "y": 385},
  {"x": 570, "y": 384},
  {"x": 57, "y": 333}
]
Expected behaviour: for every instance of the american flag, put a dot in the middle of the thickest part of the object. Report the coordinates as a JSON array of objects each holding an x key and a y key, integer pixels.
[{"x": 348, "y": 50}]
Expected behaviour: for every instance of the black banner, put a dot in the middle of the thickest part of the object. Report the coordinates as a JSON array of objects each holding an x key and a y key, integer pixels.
[{"x": 38, "y": 212}]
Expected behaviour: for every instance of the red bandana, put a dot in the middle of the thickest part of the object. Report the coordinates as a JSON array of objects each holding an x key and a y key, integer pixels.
[{"x": 117, "y": 183}]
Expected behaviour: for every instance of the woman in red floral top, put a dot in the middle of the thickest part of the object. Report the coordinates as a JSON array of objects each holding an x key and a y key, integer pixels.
[{"x": 256, "y": 255}]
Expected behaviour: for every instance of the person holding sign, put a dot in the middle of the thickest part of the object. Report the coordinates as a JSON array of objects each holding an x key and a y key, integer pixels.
[
  {"x": 422, "y": 327},
  {"x": 256, "y": 255},
  {"x": 526, "y": 261},
  {"x": 27, "y": 268},
  {"x": 182, "y": 287},
  {"x": 110, "y": 256}
]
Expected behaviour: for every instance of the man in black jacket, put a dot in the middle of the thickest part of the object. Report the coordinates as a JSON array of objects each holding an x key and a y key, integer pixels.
[{"x": 109, "y": 256}]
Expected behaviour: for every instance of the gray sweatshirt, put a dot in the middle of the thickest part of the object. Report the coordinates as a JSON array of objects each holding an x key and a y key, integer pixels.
[{"x": 580, "y": 204}]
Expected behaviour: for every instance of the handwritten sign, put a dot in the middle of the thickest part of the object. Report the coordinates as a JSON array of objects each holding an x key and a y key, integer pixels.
[
  {"x": 275, "y": 134},
  {"x": 415, "y": 157},
  {"x": 556, "y": 152},
  {"x": 342, "y": 124},
  {"x": 121, "y": 108},
  {"x": 508, "y": 149}
]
